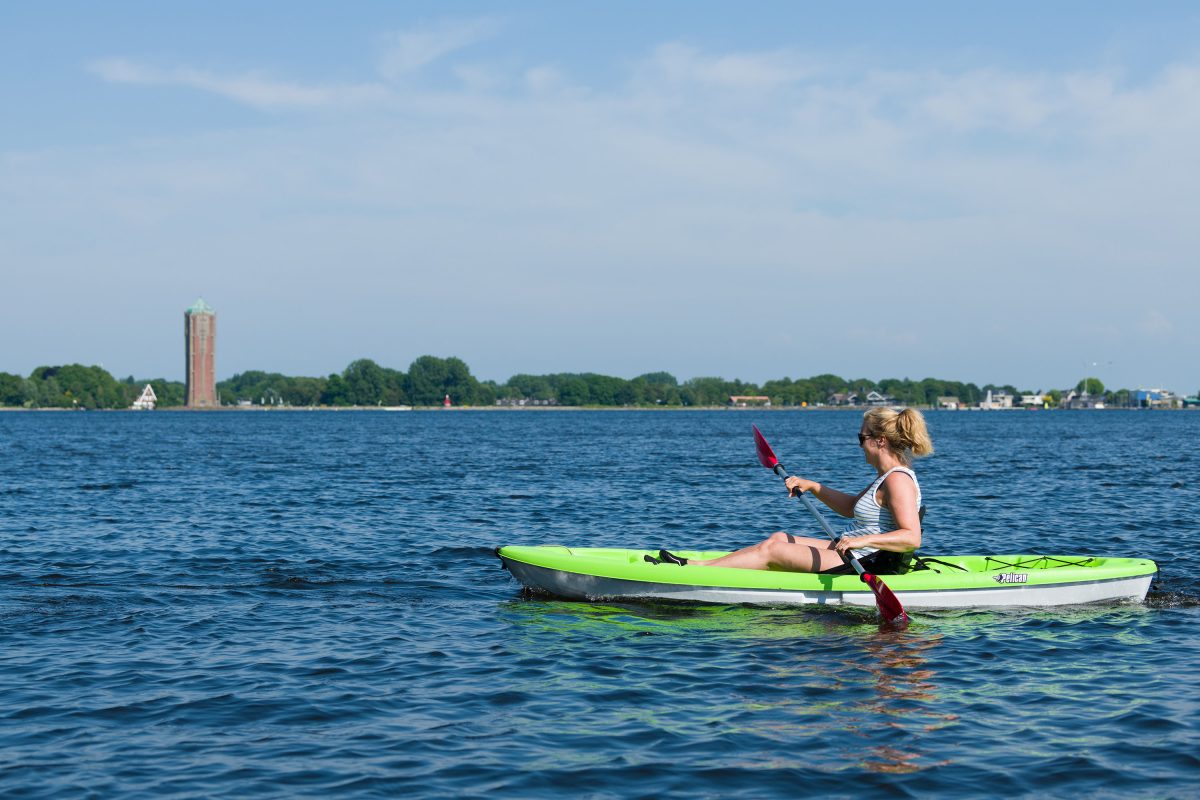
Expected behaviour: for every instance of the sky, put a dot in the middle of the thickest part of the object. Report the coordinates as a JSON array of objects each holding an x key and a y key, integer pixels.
[{"x": 1001, "y": 195}]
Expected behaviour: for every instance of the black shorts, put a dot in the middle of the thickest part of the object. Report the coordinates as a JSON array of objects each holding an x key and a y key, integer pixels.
[{"x": 881, "y": 562}]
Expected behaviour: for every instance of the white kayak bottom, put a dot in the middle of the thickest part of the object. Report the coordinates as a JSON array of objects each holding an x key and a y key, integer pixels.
[{"x": 580, "y": 586}]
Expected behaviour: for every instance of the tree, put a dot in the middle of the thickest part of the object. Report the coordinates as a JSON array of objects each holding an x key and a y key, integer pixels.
[
  {"x": 12, "y": 390},
  {"x": 336, "y": 393},
  {"x": 486, "y": 393},
  {"x": 257, "y": 386},
  {"x": 573, "y": 391},
  {"x": 705, "y": 392},
  {"x": 1007, "y": 389},
  {"x": 786, "y": 392},
  {"x": 528, "y": 387},
  {"x": 366, "y": 383},
  {"x": 1091, "y": 386},
  {"x": 249, "y": 385},
  {"x": 862, "y": 387},
  {"x": 658, "y": 378},
  {"x": 603, "y": 389},
  {"x": 304, "y": 391},
  {"x": 76, "y": 386},
  {"x": 902, "y": 390},
  {"x": 1121, "y": 397},
  {"x": 460, "y": 384},
  {"x": 653, "y": 388},
  {"x": 431, "y": 378},
  {"x": 827, "y": 384}
]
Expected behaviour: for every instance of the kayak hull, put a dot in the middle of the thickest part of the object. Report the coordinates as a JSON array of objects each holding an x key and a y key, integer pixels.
[{"x": 958, "y": 582}]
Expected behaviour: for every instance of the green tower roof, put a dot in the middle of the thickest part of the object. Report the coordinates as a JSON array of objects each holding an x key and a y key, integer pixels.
[{"x": 200, "y": 307}]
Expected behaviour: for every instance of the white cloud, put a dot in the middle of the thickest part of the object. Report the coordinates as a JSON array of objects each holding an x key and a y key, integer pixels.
[
  {"x": 478, "y": 78},
  {"x": 704, "y": 188},
  {"x": 253, "y": 90},
  {"x": 676, "y": 63},
  {"x": 1155, "y": 325},
  {"x": 991, "y": 100},
  {"x": 545, "y": 79},
  {"x": 407, "y": 51}
]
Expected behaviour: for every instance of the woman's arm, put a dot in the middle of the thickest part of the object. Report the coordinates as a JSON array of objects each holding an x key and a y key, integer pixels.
[
  {"x": 899, "y": 495},
  {"x": 840, "y": 502}
]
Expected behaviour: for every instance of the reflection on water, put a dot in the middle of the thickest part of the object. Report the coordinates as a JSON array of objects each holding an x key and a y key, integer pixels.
[
  {"x": 743, "y": 622},
  {"x": 831, "y": 677},
  {"x": 905, "y": 697},
  {"x": 820, "y": 688}
]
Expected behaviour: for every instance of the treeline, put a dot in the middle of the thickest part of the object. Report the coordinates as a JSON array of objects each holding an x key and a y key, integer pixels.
[
  {"x": 77, "y": 386},
  {"x": 429, "y": 379}
]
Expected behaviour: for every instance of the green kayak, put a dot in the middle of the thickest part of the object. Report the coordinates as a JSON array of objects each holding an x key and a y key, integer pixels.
[{"x": 592, "y": 573}]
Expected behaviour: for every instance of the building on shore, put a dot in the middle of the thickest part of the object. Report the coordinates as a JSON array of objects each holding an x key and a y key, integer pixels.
[
  {"x": 146, "y": 400},
  {"x": 996, "y": 401},
  {"x": 1079, "y": 401},
  {"x": 200, "y": 352},
  {"x": 743, "y": 400},
  {"x": 877, "y": 399},
  {"x": 1156, "y": 398}
]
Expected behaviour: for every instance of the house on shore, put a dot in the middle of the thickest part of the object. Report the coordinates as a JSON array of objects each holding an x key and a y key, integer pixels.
[
  {"x": 873, "y": 398},
  {"x": 996, "y": 401},
  {"x": 744, "y": 400},
  {"x": 877, "y": 399},
  {"x": 1156, "y": 398},
  {"x": 948, "y": 403},
  {"x": 146, "y": 400},
  {"x": 1077, "y": 401}
]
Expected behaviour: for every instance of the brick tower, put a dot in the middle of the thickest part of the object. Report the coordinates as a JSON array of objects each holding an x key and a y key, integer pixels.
[{"x": 200, "y": 346}]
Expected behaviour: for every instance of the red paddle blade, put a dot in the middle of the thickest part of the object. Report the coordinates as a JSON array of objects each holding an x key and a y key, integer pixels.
[
  {"x": 766, "y": 456},
  {"x": 889, "y": 605}
]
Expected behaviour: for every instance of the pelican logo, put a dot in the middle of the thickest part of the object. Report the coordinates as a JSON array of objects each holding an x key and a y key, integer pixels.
[{"x": 1011, "y": 577}]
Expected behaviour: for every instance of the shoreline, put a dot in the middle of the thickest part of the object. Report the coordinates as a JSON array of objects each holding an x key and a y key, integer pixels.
[{"x": 539, "y": 409}]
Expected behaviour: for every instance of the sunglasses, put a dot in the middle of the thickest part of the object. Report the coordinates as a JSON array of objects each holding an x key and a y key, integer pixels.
[{"x": 862, "y": 438}]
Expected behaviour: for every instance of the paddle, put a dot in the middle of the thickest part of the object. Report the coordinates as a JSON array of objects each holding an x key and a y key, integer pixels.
[{"x": 889, "y": 605}]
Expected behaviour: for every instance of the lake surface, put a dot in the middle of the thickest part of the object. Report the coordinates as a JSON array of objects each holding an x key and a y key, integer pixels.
[{"x": 307, "y": 604}]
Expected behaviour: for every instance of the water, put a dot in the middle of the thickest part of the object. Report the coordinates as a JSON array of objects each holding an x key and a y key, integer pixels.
[{"x": 306, "y": 604}]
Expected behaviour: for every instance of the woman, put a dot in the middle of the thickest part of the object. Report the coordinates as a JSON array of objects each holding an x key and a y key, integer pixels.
[{"x": 887, "y": 524}]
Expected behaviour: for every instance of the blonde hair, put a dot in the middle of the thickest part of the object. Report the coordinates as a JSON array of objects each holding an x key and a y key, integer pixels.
[{"x": 904, "y": 431}]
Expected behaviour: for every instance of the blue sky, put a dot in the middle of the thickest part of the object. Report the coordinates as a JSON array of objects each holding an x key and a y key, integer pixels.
[{"x": 763, "y": 190}]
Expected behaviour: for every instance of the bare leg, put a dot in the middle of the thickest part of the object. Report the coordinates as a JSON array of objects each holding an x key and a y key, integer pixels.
[{"x": 782, "y": 552}]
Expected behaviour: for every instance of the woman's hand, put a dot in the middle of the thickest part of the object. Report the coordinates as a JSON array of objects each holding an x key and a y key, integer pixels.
[
  {"x": 847, "y": 543},
  {"x": 798, "y": 486}
]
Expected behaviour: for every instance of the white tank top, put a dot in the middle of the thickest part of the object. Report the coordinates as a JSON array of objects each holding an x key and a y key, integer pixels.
[{"x": 870, "y": 517}]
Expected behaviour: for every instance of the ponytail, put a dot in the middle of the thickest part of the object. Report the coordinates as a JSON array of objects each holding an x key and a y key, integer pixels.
[{"x": 905, "y": 431}]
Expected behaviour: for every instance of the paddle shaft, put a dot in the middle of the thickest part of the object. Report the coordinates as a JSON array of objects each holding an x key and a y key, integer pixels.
[
  {"x": 849, "y": 556},
  {"x": 885, "y": 599}
]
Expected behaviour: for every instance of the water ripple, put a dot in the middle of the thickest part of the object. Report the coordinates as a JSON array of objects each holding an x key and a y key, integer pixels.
[{"x": 307, "y": 604}]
